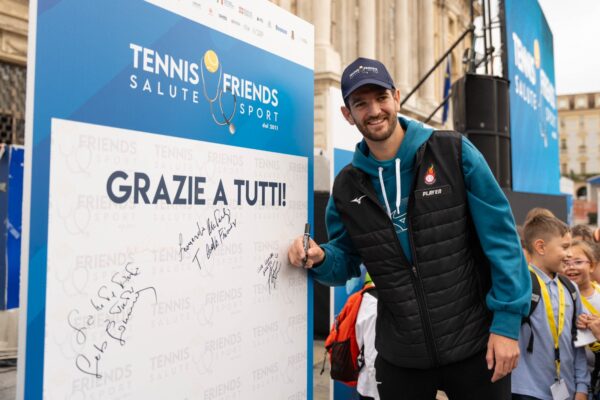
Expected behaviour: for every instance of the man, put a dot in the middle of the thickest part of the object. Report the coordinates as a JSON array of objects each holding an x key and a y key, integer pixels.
[{"x": 424, "y": 213}]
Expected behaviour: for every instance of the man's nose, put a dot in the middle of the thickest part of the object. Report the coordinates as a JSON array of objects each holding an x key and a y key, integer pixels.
[{"x": 373, "y": 108}]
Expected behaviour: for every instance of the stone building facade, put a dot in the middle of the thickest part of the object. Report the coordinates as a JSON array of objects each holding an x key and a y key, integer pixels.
[
  {"x": 13, "y": 58},
  {"x": 408, "y": 36},
  {"x": 579, "y": 144},
  {"x": 579, "y": 131}
]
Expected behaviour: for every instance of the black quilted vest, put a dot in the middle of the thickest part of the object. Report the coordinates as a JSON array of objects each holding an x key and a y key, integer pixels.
[{"x": 431, "y": 313}]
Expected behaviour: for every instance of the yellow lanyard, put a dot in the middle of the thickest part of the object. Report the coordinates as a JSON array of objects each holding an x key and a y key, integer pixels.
[
  {"x": 554, "y": 330},
  {"x": 588, "y": 305},
  {"x": 594, "y": 347}
]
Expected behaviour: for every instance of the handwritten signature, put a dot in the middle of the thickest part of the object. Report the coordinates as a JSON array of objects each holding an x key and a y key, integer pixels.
[
  {"x": 270, "y": 268},
  {"x": 113, "y": 306},
  {"x": 217, "y": 228}
]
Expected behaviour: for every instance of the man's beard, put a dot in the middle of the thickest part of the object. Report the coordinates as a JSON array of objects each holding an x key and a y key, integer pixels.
[{"x": 378, "y": 136}]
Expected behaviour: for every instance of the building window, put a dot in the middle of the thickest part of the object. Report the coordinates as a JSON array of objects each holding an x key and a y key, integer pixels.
[
  {"x": 581, "y": 102},
  {"x": 563, "y": 144},
  {"x": 582, "y": 168},
  {"x": 12, "y": 103},
  {"x": 564, "y": 168}
]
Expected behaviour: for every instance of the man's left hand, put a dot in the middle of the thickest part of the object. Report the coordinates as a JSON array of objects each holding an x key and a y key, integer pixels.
[
  {"x": 581, "y": 396},
  {"x": 502, "y": 355}
]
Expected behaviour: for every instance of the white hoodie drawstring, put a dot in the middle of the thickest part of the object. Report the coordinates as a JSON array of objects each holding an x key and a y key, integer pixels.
[
  {"x": 398, "y": 189},
  {"x": 387, "y": 205}
]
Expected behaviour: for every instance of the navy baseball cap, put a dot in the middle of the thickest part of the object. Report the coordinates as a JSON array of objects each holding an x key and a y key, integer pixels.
[{"x": 364, "y": 71}]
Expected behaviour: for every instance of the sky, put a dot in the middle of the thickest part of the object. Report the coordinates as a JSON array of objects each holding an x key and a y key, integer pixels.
[{"x": 575, "y": 25}]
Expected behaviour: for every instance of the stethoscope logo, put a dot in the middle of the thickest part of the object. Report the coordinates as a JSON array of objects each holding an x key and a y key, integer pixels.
[{"x": 210, "y": 62}]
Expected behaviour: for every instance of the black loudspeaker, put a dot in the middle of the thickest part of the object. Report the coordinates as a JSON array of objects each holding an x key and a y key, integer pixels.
[{"x": 481, "y": 112}]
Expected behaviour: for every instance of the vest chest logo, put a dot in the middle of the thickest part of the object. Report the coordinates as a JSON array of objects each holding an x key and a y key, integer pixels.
[
  {"x": 358, "y": 199},
  {"x": 433, "y": 192},
  {"x": 430, "y": 176}
]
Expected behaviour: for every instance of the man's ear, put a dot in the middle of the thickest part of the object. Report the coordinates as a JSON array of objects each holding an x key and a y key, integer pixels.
[
  {"x": 396, "y": 96},
  {"x": 539, "y": 246},
  {"x": 346, "y": 113}
]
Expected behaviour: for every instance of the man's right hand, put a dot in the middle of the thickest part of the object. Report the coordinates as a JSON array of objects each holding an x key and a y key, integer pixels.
[{"x": 296, "y": 253}]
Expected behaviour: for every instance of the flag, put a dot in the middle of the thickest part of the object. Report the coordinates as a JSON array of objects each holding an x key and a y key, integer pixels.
[{"x": 447, "y": 85}]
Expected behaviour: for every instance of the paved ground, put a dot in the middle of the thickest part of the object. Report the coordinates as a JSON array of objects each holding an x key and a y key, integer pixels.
[
  {"x": 8, "y": 379},
  {"x": 320, "y": 382}
]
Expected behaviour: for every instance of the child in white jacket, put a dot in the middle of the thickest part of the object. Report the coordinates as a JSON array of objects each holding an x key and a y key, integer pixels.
[{"x": 365, "y": 336}]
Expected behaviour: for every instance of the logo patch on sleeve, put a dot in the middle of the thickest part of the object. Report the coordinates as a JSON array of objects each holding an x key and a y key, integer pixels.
[{"x": 433, "y": 192}]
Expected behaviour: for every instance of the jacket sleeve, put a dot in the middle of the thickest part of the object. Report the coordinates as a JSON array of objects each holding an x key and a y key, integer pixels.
[
  {"x": 341, "y": 262},
  {"x": 510, "y": 296}
]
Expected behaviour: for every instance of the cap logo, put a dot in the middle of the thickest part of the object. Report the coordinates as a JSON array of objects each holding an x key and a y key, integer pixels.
[{"x": 363, "y": 70}]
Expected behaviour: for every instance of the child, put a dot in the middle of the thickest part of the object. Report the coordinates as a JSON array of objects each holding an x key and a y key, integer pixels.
[
  {"x": 534, "y": 212},
  {"x": 586, "y": 234},
  {"x": 579, "y": 269},
  {"x": 555, "y": 369},
  {"x": 365, "y": 337},
  {"x": 582, "y": 232}
]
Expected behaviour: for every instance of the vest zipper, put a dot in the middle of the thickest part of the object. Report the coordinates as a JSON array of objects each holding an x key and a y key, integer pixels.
[
  {"x": 417, "y": 283},
  {"x": 415, "y": 278},
  {"x": 422, "y": 302}
]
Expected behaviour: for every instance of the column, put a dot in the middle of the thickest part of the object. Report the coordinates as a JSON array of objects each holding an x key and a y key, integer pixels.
[
  {"x": 286, "y": 5},
  {"x": 402, "y": 45},
  {"x": 327, "y": 75},
  {"x": 426, "y": 56},
  {"x": 366, "y": 28}
]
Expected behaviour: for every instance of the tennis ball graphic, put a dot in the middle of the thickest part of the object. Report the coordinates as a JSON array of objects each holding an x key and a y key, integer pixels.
[{"x": 211, "y": 61}]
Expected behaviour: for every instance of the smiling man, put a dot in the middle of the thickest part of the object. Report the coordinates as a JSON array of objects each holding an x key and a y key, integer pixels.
[{"x": 422, "y": 210}]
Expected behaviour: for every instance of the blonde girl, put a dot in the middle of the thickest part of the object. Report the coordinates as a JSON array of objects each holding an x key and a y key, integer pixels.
[{"x": 579, "y": 269}]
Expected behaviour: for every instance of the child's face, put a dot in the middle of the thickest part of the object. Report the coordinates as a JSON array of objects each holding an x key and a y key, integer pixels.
[
  {"x": 556, "y": 251},
  {"x": 578, "y": 268}
]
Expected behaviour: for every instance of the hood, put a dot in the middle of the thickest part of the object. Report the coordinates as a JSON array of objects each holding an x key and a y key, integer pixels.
[{"x": 415, "y": 134}]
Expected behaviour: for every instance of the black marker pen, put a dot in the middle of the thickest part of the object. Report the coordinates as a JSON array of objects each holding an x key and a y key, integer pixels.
[{"x": 306, "y": 241}]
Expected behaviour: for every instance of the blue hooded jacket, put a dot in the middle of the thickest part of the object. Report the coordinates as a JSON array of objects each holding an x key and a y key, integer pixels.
[{"x": 510, "y": 295}]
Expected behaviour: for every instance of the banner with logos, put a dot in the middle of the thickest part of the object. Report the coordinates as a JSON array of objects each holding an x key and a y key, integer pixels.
[
  {"x": 533, "y": 112},
  {"x": 169, "y": 165}
]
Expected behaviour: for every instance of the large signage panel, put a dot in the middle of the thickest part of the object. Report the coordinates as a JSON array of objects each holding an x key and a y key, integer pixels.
[
  {"x": 533, "y": 112},
  {"x": 169, "y": 165}
]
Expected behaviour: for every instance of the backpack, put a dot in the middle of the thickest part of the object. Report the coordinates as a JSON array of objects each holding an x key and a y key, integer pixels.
[
  {"x": 536, "y": 295},
  {"x": 344, "y": 355}
]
